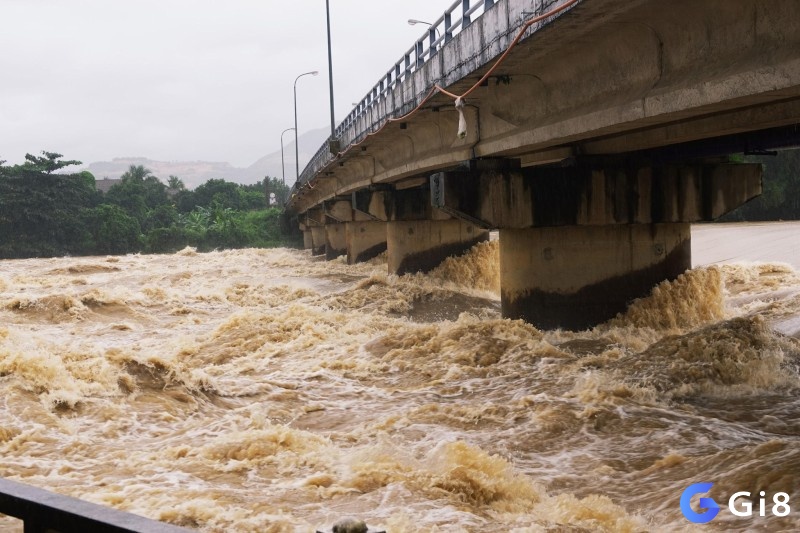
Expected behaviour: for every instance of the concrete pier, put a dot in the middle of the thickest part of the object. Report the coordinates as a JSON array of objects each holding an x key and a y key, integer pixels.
[
  {"x": 335, "y": 241},
  {"x": 365, "y": 240},
  {"x": 317, "y": 240},
  {"x": 575, "y": 277},
  {"x": 308, "y": 241},
  {"x": 420, "y": 245}
]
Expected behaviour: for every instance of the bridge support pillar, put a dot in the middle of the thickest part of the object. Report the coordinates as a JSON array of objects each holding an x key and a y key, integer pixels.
[
  {"x": 579, "y": 242},
  {"x": 335, "y": 240},
  {"x": 365, "y": 240},
  {"x": 575, "y": 277},
  {"x": 420, "y": 245},
  {"x": 317, "y": 240},
  {"x": 308, "y": 241}
]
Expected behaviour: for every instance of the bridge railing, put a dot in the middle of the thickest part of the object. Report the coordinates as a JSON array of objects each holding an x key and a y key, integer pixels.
[
  {"x": 43, "y": 511},
  {"x": 379, "y": 103},
  {"x": 440, "y": 32}
]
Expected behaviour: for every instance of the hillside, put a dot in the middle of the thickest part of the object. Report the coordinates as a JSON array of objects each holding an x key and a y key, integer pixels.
[{"x": 194, "y": 173}]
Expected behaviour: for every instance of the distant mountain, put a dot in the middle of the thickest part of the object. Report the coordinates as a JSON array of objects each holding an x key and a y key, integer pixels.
[
  {"x": 194, "y": 173},
  {"x": 270, "y": 164}
]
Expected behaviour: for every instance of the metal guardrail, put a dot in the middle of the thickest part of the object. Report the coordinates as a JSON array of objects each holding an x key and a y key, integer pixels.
[
  {"x": 367, "y": 114},
  {"x": 455, "y": 19},
  {"x": 43, "y": 511}
]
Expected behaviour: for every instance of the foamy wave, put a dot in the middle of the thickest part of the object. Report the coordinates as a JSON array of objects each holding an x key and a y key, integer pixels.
[
  {"x": 58, "y": 308},
  {"x": 735, "y": 357},
  {"x": 255, "y": 334},
  {"x": 591, "y": 513},
  {"x": 452, "y": 351},
  {"x": 246, "y": 295},
  {"x": 454, "y": 473},
  {"x": 693, "y": 299},
  {"x": 189, "y": 251},
  {"x": 253, "y": 447},
  {"x": 382, "y": 293},
  {"x": 457, "y": 475},
  {"x": 53, "y": 308},
  {"x": 417, "y": 296},
  {"x": 85, "y": 268},
  {"x": 479, "y": 268},
  {"x": 160, "y": 374},
  {"x": 60, "y": 375},
  {"x": 748, "y": 277}
]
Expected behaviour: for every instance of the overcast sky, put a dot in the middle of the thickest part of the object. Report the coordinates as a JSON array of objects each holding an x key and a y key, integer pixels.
[{"x": 187, "y": 79}]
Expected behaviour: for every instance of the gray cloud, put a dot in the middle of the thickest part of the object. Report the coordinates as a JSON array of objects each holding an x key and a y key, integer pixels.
[{"x": 186, "y": 79}]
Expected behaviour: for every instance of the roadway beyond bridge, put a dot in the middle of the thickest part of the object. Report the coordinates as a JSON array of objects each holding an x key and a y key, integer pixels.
[{"x": 591, "y": 143}]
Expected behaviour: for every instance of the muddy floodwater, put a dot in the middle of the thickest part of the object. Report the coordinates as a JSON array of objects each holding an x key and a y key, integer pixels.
[{"x": 268, "y": 390}]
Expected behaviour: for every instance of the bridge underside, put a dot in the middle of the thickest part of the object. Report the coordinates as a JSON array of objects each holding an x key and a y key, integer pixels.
[
  {"x": 578, "y": 241},
  {"x": 601, "y": 137}
]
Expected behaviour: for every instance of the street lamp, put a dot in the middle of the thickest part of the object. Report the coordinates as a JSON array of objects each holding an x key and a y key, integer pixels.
[
  {"x": 296, "y": 150},
  {"x": 412, "y": 22},
  {"x": 333, "y": 145},
  {"x": 283, "y": 169}
]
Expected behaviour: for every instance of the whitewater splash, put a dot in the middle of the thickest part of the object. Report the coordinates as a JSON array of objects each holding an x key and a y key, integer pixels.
[{"x": 265, "y": 390}]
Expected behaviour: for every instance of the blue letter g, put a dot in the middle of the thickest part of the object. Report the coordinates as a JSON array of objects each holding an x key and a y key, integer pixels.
[{"x": 710, "y": 506}]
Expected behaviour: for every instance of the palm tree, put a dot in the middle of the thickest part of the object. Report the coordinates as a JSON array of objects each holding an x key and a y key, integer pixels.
[
  {"x": 136, "y": 173},
  {"x": 175, "y": 183}
]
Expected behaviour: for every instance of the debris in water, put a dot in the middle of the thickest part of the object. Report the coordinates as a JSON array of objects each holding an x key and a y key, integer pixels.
[{"x": 351, "y": 525}]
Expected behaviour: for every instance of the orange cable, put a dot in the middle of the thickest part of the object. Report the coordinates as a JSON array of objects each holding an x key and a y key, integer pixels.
[
  {"x": 439, "y": 89},
  {"x": 516, "y": 40}
]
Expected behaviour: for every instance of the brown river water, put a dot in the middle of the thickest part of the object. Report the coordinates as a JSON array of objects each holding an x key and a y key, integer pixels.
[{"x": 266, "y": 390}]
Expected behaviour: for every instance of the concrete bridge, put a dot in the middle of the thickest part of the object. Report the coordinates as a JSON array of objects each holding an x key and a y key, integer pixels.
[{"x": 591, "y": 133}]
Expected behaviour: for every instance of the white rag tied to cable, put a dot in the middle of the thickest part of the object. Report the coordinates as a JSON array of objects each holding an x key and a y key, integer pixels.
[{"x": 462, "y": 121}]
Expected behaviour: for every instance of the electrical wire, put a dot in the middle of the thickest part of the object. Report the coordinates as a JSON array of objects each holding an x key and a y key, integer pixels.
[{"x": 459, "y": 98}]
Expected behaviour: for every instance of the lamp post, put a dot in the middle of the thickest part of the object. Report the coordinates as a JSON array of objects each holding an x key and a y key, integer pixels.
[
  {"x": 296, "y": 150},
  {"x": 283, "y": 169},
  {"x": 412, "y": 22},
  {"x": 333, "y": 145}
]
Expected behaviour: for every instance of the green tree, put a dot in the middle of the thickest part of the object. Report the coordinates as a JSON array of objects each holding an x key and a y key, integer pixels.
[
  {"x": 224, "y": 193},
  {"x": 136, "y": 173},
  {"x": 163, "y": 216},
  {"x": 197, "y": 220},
  {"x": 265, "y": 227},
  {"x": 112, "y": 230},
  {"x": 38, "y": 209},
  {"x": 170, "y": 239},
  {"x": 138, "y": 193},
  {"x": 47, "y": 164},
  {"x": 175, "y": 183},
  {"x": 185, "y": 201}
]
